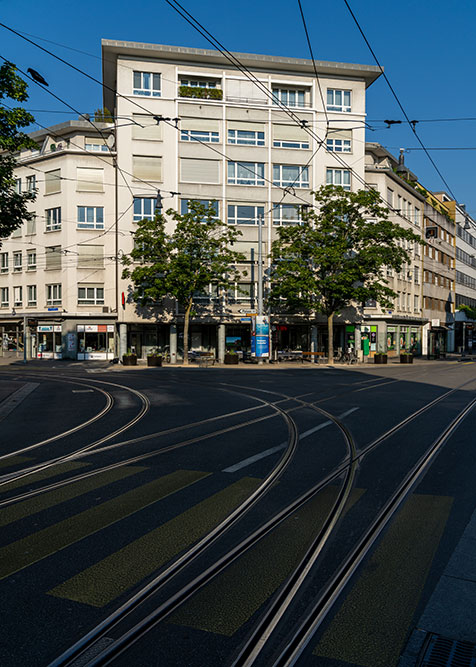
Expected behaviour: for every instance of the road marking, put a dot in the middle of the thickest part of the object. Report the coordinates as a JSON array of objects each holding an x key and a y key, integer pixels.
[
  {"x": 35, "y": 547},
  {"x": 272, "y": 450},
  {"x": 52, "y": 471},
  {"x": 371, "y": 626},
  {"x": 83, "y": 391},
  {"x": 106, "y": 580},
  {"x": 9, "y": 404},
  {"x": 74, "y": 490},
  {"x": 232, "y": 598}
]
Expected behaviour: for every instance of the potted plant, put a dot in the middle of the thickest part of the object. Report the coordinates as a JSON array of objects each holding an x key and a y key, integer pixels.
[
  {"x": 129, "y": 359},
  {"x": 231, "y": 357},
  {"x": 380, "y": 358},
  {"x": 406, "y": 357},
  {"x": 154, "y": 358}
]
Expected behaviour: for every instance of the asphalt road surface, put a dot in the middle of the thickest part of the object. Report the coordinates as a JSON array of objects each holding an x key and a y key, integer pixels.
[{"x": 265, "y": 516}]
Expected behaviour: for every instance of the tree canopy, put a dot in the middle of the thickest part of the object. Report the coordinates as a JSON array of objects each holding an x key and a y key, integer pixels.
[
  {"x": 337, "y": 255},
  {"x": 13, "y": 204},
  {"x": 181, "y": 264}
]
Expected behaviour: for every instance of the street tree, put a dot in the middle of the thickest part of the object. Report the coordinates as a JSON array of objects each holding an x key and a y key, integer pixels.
[
  {"x": 13, "y": 204},
  {"x": 180, "y": 265},
  {"x": 337, "y": 255}
]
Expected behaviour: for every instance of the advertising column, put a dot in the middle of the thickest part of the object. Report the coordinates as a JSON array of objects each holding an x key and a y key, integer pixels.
[{"x": 260, "y": 337}]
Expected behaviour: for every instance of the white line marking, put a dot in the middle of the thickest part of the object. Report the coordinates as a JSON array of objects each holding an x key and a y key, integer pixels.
[
  {"x": 16, "y": 398},
  {"x": 272, "y": 450}
]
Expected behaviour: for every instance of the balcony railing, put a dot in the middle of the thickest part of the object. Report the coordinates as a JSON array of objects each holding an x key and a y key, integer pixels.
[{"x": 200, "y": 93}]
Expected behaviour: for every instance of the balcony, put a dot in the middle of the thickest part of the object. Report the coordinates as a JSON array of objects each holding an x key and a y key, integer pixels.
[{"x": 198, "y": 92}]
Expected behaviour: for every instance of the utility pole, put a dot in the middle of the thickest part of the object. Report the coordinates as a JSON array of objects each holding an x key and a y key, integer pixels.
[
  {"x": 260, "y": 272},
  {"x": 24, "y": 338}
]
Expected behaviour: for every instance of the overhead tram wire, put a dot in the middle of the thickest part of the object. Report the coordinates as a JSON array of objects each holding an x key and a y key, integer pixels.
[{"x": 412, "y": 125}]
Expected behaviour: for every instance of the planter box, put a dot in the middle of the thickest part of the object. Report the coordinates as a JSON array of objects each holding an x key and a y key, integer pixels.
[
  {"x": 152, "y": 360},
  {"x": 380, "y": 358},
  {"x": 129, "y": 360},
  {"x": 406, "y": 358},
  {"x": 231, "y": 359}
]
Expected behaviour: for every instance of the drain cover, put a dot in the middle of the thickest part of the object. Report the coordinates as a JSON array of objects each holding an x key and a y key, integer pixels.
[{"x": 444, "y": 652}]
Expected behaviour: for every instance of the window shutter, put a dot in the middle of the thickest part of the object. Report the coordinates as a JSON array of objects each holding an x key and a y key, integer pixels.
[
  {"x": 201, "y": 124},
  {"x": 90, "y": 179},
  {"x": 90, "y": 257},
  {"x": 245, "y": 90},
  {"x": 199, "y": 171},
  {"x": 95, "y": 141},
  {"x": 248, "y": 127},
  {"x": 337, "y": 133},
  {"x": 52, "y": 181},
  {"x": 53, "y": 257},
  {"x": 150, "y": 130},
  {"x": 290, "y": 133},
  {"x": 147, "y": 168}
]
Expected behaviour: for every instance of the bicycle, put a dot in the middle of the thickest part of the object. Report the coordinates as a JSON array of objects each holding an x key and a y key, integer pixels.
[{"x": 348, "y": 357}]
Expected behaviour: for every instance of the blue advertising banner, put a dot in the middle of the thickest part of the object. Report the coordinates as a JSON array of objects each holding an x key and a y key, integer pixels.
[{"x": 260, "y": 337}]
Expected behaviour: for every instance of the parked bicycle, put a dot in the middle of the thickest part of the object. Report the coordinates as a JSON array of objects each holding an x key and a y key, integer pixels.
[{"x": 348, "y": 357}]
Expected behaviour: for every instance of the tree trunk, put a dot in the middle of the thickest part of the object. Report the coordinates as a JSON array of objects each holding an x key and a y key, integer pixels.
[
  {"x": 186, "y": 324},
  {"x": 330, "y": 342}
]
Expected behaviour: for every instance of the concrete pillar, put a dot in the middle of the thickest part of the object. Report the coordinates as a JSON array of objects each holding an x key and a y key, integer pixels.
[
  {"x": 122, "y": 339},
  {"x": 314, "y": 342},
  {"x": 173, "y": 343},
  {"x": 28, "y": 342},
  {"x": 358, "y": 337},
  {"x": 221, "y": 343}
]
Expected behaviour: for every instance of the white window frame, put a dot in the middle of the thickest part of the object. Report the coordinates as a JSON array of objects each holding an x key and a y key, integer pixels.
[
  {"x": 331, "y": 179},
  {"x": 4, "y": 297},
  {"x": 335, "y": 145},
  {"x": 234, "y": 219},
  {"x": 300, "y": 180},
  {"x": 31, "y": 183},
  {"x": 144, "y": 208},
  {"x": 205, "y": 202},
  {"x": 31, "y": 295},
  {"x": 90, "y": 212},
  {"x": 17, "y": 261},
  {"x": 53, "y": 294},
  {"x": 17, "y": 295},
  {"x": 332, "y": 103},
  {"x": 53, "y": 219},
  {"x": 296, "y": 145},
  {"x": 207, "y": 137},
  {"x": 290, "y": 97},
  {"x": 280, "y": 220},
  {"x": 90, "y": 295},
  {"x": 200, "y": 83},
  {"x": 145, "y": 87},
  {"x": 246, "y": 137},
  {"x": 31, "y": 260},
  {"x": 253, "y": 177},
  {"x": 3, "y": 262},
  {"x": 95, "y": 145},
  {"x": 18, "y": 185}
]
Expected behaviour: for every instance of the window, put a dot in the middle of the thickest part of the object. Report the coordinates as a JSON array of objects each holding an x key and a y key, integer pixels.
[
  {"x": 17, "y": 295},
  {"x": 52, "y": 181},
  {"x": 31, "y": 226},
  {"x": 16, "y": 232},
  {"x": 147, "y": 168},
  {"x": 245, "y": 173},
  {"x": 31, "y": 183},
  {"x": 18, "y": 185},
  {"x": 53, "y": 257},
  {"x": 290, "y": 175},
  {"x": 53, "y": 295},
  {"x": 90, "y": 256},
  {"x": 144, "y": 207},
  {"x": 89, "y": 179},
  {"x": 4, "y": 262},
  {"x": 286, "y": 214},
  {"x": 290, "y": 136},
  {"x": 17, "y": 261},
  {"x": 416, "y": 275},
  {"x": 239, "y": 214},
  {"x": 338, "y": 177},
  {"x": 416, "y": 303},
  {"x": 205, "y": 202},
  {"x": 147, "y": 84},
  {"x": 339, "y": 141},
  {"x": 390, "y": 197},
  {"x": 246, "y": 137},
  {"x": 31, "y": 295},
  {"x": 96, "y": 145},
  {"x": 90, "y": 296},
  {"x": 199, "y": 83},
  {"x": 200, "y": 129},
  {"x": 199, "y": 171},
  {"x": 146, "y": 128},
  {"x": 90, "y": 217},
  {"x": 290, "y": 97},
  {"x": 338, "y": 100},
  {"x": 241, "y": 292},
  {"x": 4, "y": 299},
  {"x": 416, "y": 216},
  {"x": 53, "y": 219},
  {"x": 31, "y": 260}
]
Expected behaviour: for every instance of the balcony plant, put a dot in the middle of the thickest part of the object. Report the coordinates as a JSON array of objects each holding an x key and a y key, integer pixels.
[
  {"x": 200, "y": 93},
  {"x": 129, "y": 359},
  {"x": 406, "y": 357},
  {"x": 154, "y": 358}
]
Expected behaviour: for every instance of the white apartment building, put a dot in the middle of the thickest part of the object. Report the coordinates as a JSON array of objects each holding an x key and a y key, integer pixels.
[
  {"x": 403, "y": 327},
  {"x": 189, "y": 122},
  {"x": 58, "y": 271}
]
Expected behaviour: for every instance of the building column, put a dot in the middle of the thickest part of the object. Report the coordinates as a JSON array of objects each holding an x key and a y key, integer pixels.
[
  {"x": 173, "y": 343},
  {"x": 221, "y": 343},
  {"x": 122, "y": 339},
  {"x": 28, "y": 342},
  {"x": 358, "y": 337},
  {"x": 313, "y": 341}
]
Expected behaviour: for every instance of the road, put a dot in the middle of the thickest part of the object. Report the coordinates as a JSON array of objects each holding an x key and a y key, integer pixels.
[{"x": 265, "y": 516}]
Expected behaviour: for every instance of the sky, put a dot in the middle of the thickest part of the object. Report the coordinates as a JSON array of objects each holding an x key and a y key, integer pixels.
[{"x": 427, "y": 48}]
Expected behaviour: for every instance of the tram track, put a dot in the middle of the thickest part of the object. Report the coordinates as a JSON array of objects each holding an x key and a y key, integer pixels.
[{"x": 252, "y": 649}]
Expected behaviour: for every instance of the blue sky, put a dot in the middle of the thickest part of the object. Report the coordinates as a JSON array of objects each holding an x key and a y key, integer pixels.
[{"x": 426, "y": 47}]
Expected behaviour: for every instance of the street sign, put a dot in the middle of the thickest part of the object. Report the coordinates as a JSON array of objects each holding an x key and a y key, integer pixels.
[{"x": 245, "y": 319}]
